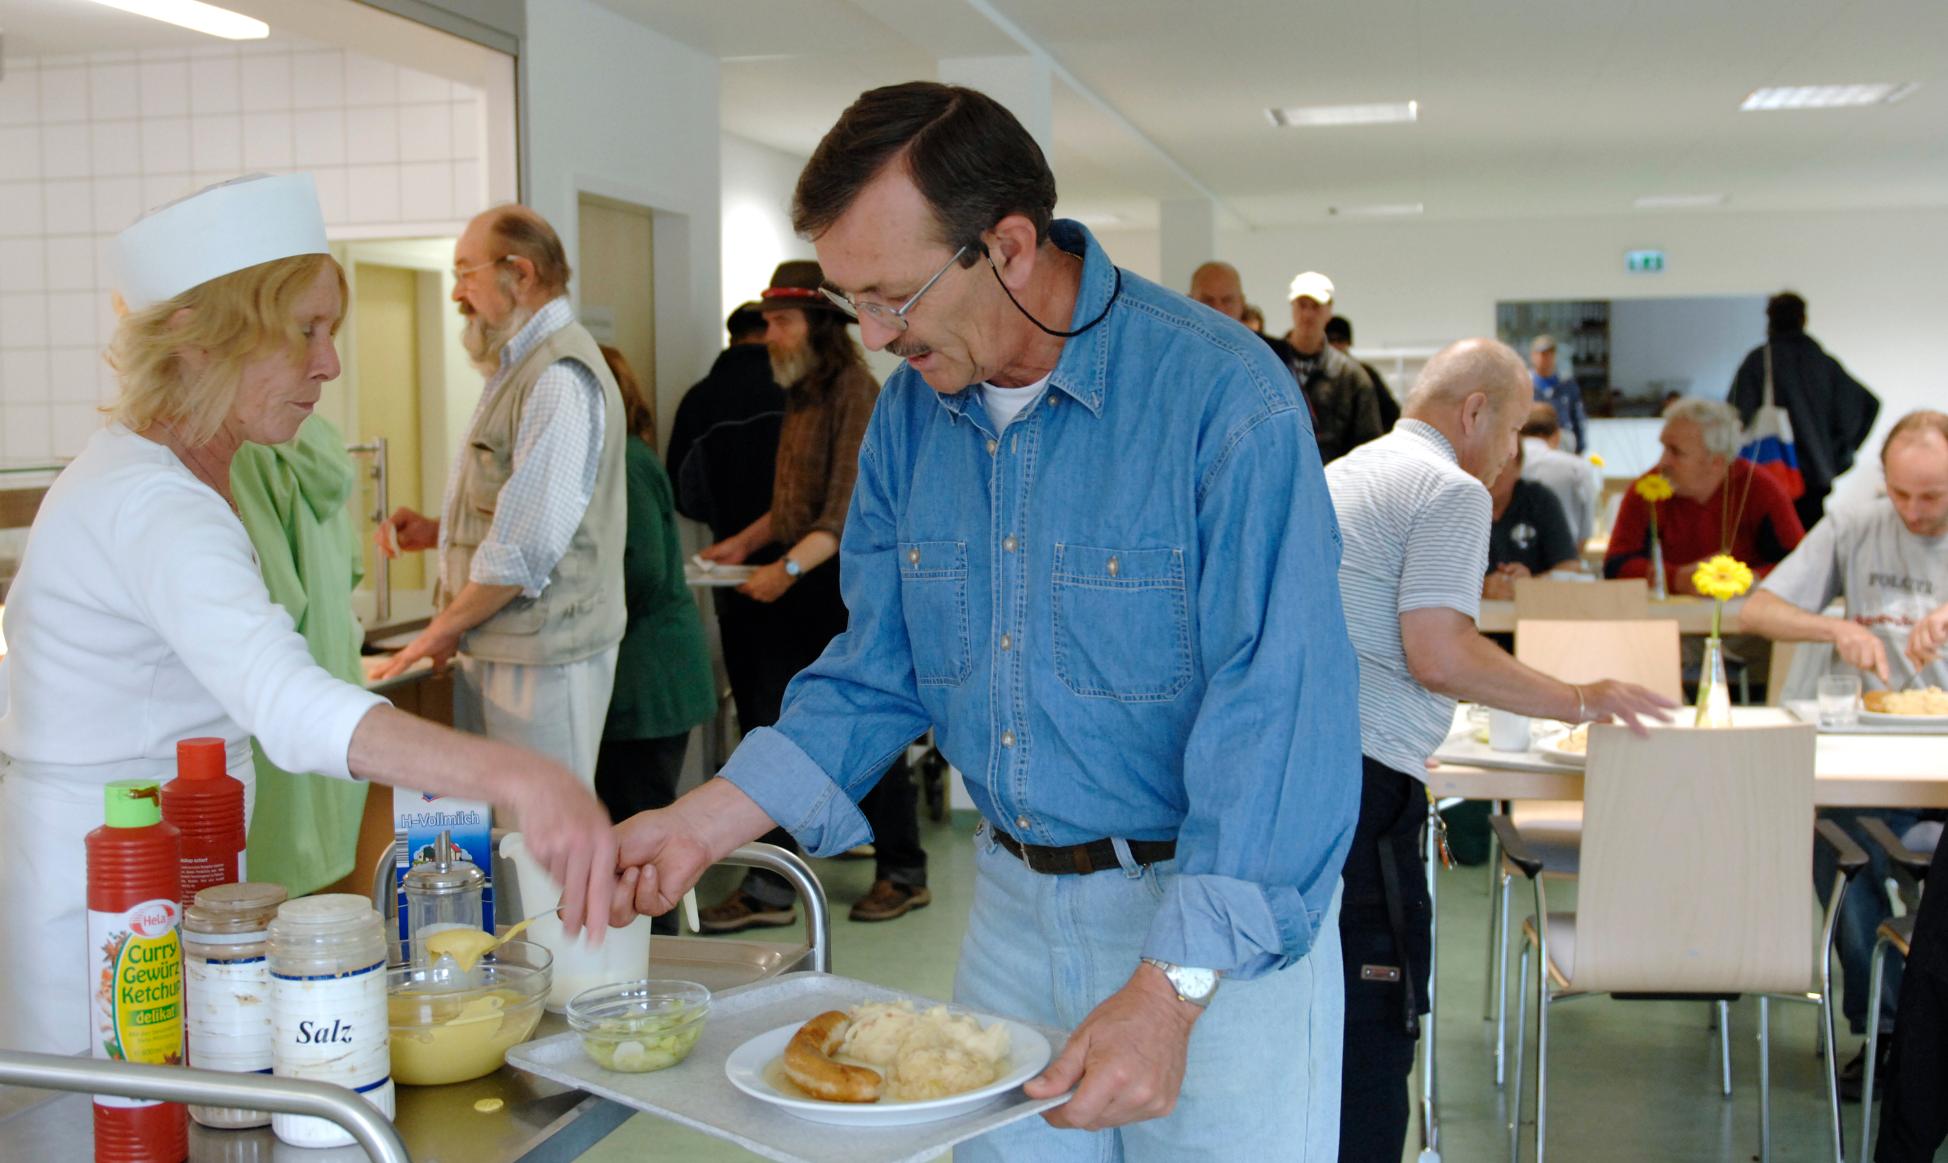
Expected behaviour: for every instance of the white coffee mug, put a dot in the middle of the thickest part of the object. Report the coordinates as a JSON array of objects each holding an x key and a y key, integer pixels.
[{"x": 1508, "y": 731}]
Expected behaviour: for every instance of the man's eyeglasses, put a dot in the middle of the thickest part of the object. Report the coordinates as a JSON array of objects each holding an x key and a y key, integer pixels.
[
  {"x": 880, "y": 313},
  {"x": 460, "y": 273}
]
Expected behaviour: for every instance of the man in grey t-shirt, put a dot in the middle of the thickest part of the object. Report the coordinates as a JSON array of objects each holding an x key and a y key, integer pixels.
[
  {"x": 1889, "y": 560},
  {"x": 1414, "y": 517}
]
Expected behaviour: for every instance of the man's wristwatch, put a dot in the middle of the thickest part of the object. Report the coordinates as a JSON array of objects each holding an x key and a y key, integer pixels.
[
  {"x": 793, "y": 570},
  {"x": 1196, "y": 986}
]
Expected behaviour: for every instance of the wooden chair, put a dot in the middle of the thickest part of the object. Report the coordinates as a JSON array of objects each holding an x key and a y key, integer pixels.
[
  {"x": 1667, "y": 816},
  {"x": 1542, "y": 599},
  {"x": 1643, "y": 652}
]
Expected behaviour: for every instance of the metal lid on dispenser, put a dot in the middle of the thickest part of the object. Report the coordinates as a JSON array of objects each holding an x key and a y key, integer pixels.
[{"x": 448, "y": 873}]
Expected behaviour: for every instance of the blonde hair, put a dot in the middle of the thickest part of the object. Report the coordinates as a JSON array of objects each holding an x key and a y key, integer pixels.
[{"x": 232, "y": 318}]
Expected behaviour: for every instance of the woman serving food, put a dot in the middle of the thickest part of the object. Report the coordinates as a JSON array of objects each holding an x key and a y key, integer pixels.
[{"x": 139, "y": 617}]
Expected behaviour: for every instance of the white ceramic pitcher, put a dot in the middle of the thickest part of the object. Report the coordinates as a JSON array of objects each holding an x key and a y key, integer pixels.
[{"x": 624, "y": 955}]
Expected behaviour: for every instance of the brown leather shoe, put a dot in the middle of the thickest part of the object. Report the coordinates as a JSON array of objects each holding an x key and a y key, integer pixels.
[
  {"x": 740, "y": 910},
  {"x": 888, "y": 900}
]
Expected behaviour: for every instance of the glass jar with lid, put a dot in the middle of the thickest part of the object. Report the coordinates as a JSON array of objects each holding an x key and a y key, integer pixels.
[
  {"x": 227, "y": 983},
  {"x": 445, "y": 892}
]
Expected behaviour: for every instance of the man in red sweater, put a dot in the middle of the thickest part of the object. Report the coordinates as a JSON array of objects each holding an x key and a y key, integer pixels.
[{"x": 1719, "y": 505}]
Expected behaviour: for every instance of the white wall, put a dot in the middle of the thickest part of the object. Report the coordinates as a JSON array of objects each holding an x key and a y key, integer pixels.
[
  {"x": 88, "y": 143},
  {"x": 1873, "y": 281},
  {"x": 1701, "y": 339},
  {"x": 758, "y": 181},
  {"x": 618, "y": 110}
]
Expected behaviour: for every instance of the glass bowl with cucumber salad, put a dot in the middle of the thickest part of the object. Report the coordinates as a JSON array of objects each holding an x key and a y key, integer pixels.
[{"x": 638, "y": 1026}]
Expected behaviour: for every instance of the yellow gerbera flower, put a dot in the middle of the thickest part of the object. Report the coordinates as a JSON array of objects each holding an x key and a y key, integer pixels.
[
  {"x": 1596, "y": 458},
  {"x": 1654, "y": 487},
  {"x": 1722, "y": 578}
]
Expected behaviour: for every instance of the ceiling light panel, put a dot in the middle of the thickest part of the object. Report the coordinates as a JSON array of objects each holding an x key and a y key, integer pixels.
[
  {"x": 1311, "y": 116},
  {"x": 195, "y": 16},
  {"x": 1783, "y": 97}
]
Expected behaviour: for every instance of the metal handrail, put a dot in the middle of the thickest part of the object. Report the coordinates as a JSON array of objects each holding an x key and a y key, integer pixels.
[
  {"x": 293, "y": 1096},
  {"x": 791, "y": 866}
]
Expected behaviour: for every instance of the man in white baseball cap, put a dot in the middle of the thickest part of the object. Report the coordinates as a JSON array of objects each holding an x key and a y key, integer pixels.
[{"x": 1345, "y": 410}]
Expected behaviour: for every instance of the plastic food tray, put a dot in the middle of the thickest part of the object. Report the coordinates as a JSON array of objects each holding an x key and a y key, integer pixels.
[{"x": 696, "y": 1093}]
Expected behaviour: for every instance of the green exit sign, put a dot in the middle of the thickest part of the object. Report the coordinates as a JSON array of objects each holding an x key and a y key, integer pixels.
[{"x": 1644, "y": 262}]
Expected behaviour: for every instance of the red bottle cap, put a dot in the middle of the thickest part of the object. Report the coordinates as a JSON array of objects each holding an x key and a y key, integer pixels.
[{"x": 205, "y": 758}]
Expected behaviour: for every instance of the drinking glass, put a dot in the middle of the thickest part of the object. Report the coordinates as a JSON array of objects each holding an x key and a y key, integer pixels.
[{"x": 1839, "y": 700}]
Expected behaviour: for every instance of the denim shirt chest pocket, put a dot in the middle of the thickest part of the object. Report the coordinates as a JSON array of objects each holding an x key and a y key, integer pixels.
[
  {"x": 1122, "y": 623},
  {"x": 933, "y": 597}
]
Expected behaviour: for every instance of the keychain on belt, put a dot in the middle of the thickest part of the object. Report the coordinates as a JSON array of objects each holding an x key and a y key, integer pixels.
[{"x": 1439, "y": 824}]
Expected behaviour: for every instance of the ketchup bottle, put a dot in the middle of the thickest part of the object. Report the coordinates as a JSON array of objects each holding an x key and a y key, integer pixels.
[
  {"x": 135, "y": 961},
  {"x": 207, "y": 806}
]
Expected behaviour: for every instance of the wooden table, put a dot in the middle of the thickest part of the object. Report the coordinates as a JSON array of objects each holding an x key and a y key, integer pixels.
[
  {"x": 1850, "y": 771},
  {"x": 1693, "y": 615}
]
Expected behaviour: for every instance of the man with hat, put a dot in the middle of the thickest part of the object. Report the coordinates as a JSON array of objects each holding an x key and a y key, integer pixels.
[
  {"x": 829, "y": 396},
  {"x": 1560, "y": 392},
  {"x": 534, "y": 521},
  {"x": 1345, "y": 410}
]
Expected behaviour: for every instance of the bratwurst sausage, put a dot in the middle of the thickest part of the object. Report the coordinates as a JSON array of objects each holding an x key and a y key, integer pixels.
[{"x": 810, "y": 1065}]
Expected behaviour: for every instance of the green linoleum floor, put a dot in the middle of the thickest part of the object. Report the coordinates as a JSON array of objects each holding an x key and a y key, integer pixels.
[{"x": 1629, "y": 1081}]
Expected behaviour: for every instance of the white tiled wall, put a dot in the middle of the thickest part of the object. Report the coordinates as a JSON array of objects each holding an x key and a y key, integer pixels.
[{"x": 88, "y": 143}]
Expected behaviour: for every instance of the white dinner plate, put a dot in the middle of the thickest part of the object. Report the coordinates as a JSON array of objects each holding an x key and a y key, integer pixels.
[
  {"x": 1883, "y": 719},
  {"x": 1550, "y": 746},
  {"x": 1028, "y": 1053},
  {"x": 698, "y": 572}
]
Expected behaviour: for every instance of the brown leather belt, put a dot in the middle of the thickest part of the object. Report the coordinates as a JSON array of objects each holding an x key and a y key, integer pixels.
[{"x": 1083, "y": 859}]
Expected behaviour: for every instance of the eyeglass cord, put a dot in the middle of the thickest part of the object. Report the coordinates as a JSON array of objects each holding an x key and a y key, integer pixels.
[{"x": 1114, "y": 293}]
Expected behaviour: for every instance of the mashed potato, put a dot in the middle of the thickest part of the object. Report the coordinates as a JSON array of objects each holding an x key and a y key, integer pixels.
[{"x": 924, "y": 1055}]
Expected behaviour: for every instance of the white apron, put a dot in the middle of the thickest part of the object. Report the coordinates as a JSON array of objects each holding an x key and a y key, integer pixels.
[{"x": 46, "y": 813}]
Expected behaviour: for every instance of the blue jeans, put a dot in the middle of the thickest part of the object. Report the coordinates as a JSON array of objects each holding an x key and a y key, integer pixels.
[
  {"x": 1262, "y": 1081},
  {"x": 1862, "y": 910}
]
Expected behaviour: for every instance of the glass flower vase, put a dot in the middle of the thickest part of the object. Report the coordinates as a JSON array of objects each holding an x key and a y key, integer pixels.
[
  {"x": 1714, "y": 696},
  {"x": 1658, "y": 590}
]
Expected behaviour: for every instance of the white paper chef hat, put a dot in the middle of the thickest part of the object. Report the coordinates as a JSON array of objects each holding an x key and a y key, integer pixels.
[{"x": 215, "y": 231}]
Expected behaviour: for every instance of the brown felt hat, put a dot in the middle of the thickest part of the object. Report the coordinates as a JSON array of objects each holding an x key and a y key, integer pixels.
[{"x": 795, "y": 286}]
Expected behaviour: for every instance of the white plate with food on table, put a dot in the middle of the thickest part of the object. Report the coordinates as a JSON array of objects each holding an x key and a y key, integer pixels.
[
  {"x": 1569, "y": 745},
  {"x": 1893, "y": 708},
  {"x": 887, "y": 1063}
]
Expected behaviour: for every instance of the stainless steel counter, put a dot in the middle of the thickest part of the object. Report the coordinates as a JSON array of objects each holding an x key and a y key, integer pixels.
[{"x": 537, "y": 1122}]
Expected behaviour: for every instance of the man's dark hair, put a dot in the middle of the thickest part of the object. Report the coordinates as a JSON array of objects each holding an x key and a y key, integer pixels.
[
  {"x": 1339, "y": 329},
  {"x": 1785, "y": 314},
  {"x": 747, "y": 322},
  {"x": 1542, "y": 421},
  {"x": 970, "y": 158}
]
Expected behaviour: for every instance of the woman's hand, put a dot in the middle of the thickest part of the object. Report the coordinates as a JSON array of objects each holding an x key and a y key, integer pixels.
[
  {"x": 730, "y": 551},
  {"x": 768, "y": 583}
]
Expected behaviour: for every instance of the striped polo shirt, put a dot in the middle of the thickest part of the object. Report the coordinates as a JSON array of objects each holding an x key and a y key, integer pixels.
[{"x": 1416, "y": 536}]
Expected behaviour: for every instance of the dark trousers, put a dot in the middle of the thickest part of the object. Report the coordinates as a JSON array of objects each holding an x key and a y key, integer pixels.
[
  {"x": 1382, "y": 1018},
  {"x": 1862, "y": 908},
  {"x": 635, "y": 775},
  {"x": 1913, "y": 1117}
]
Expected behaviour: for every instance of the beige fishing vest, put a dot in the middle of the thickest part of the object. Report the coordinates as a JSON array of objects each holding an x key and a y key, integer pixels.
[{"x": 581, "y": 611}]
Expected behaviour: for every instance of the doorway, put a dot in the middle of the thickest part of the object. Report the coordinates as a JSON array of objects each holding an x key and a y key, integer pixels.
[{"x": 617, "y": 273}]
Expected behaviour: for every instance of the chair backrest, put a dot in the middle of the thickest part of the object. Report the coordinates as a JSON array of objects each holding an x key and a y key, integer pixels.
[
  {"x": 1697, "y": 862},
  {"x": 1537, "y": 597},
  {"x": 1645, "y": 653}
]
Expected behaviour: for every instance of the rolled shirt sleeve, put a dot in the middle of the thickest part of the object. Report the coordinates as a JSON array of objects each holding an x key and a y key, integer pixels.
[
  {"x": 1272, "y": 766},
  {"x": 556, "y": 454},
  {"x": 850, "y": 713}
]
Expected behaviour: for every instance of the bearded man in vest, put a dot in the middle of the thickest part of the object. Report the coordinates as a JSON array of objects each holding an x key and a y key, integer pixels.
[{"x": 531, "y": 532}]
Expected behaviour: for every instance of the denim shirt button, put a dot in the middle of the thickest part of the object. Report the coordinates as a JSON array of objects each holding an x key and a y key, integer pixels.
[
  {"x": 1114, "y": 567},
  {"x": 913, "y": 557},
  {"x": 1008, "y": 543},
  {"x": 991, "y": 447},
  {"x": 1023, "y": 822},
  {"x": 1007, "y": 738},
  {"x": 1007, "y": 642}
]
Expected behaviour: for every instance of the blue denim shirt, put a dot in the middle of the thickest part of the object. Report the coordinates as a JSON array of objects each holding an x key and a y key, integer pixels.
[{"x": 1121, "y": 615}]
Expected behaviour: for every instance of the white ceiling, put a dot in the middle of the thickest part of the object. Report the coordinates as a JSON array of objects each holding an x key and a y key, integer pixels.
[{"x": 1528, "y": 107}]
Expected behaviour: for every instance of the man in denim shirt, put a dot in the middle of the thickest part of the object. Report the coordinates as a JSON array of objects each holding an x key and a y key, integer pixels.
[{"x": 1091, "y": 545}]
